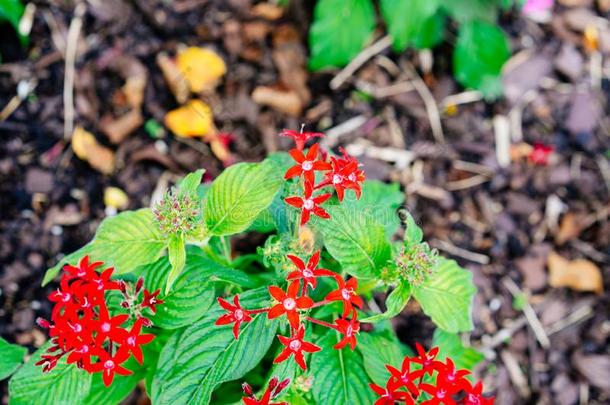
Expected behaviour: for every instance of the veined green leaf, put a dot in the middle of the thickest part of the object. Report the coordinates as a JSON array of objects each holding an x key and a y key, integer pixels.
[
  {"x": 196, "y": 360},
  {"x": 395, "y": 302},
  {"x": 11, "y": 357},
  {"x": 355, "y": 240},
  {"x": 379, "y": 348},
  {"x": 339, "y": 31},
  {"x": 406, "y": 18},
  {"x": 66, "y": 384},
  {"x": 190, "y": 297},
  {"x": 190, "y": 183},
  {"x": 482, "y": 49},
  {"x": 413, "y": 234},
  {"x": 238, "y": 195},
  {"x": 340, "y": 378},
  {"x": 450, "y": 345},
  {"x": 125, "y": 241},
  {"x": 447, "y": 296},
  {"x": 177, "y": 257}
]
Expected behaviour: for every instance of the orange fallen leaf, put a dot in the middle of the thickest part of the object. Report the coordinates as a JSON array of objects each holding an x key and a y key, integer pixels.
[
  {"x": 192, "y": 119},
  {"x": 569, "y": 228},
  {"x": 173, "y": 77},
  {"x": 579, "y": 274},
  {"x": 202, "y": 68},
  {"x": 286, "y": 101},
  {"x": 267, "y": 11},
  {"x": 87, "y": 148},
  {"x": 520, "y": 151},
  {"x": 117, "y": 129}
]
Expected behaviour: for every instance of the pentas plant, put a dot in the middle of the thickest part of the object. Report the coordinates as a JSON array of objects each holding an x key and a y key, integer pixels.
[
  {"x": 422, "y": 379},
  {"x": 83, "y": 328},
  {"x": 189, "y": 305}
]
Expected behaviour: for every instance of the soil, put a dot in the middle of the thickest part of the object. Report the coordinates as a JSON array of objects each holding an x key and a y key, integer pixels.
[{"x": 500, "y": 221}]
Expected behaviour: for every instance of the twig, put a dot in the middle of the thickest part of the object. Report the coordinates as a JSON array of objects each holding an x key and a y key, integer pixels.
[
  {"x": 396, "y": 135},
  {"x": 333, "y": 134},
  {"x": 459, "y": 252},
  {"x": 69, "y": 70},
  {"x": 472, "y": 167},
  {"x": 359, "y": 60},
  {"x": 402, "y": 158},
  {"x": 529, "y": 313},
  {"x": 469, "y": 182},
  {"x": 588, "y": 250},
  {"x": 24, "y": 88},
  {"x": 491, "y": 342},
  {"x": 502, "y": 134},
  {"x": 434, "y": 115},
  {"x": 580, "y": 315},
  {"x": 461, "y": 98},
  {"x": 515, "y": 373},
  {"x": 604, "y": 169},
  {"x": 386, "y": 91}
]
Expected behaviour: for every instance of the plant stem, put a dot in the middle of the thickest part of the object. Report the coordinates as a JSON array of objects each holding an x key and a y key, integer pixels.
[{"x": 321, "y": 323}]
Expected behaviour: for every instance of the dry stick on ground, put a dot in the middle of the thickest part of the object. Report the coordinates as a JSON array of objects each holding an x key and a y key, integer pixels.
[
  {"x": 461, "y": 98},
  {"x": 515, "y": 373},
  {"x": 529, "y": 313},
  {"x": 360, "y": 60},
  {"x": 69, "y": 71},
  {"x": 333, "y": 134},
  {"x": 459, "y": 252}
]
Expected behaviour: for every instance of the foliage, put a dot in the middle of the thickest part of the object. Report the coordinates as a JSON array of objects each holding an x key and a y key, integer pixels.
[{"x": 342, "y": 28}]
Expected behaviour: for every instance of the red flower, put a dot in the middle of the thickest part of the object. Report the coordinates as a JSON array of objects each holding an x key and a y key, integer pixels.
[
  {"x": 405, "y": 377},
  {"x": 346, "y": 293},
  {"x": 309, "y": 204},
  {"x": 289, "y": 304},
  {"x": 236, "y": 315},
  {"x": 452, "y": 378},
  {"x": 540, "y": 154},
  {"x": 110, "y": 365},
  {"x": 310, "y": 272},
  {"x": 273, "y": 390},
  {"x": 427, "y": 360},
  {"x": 300, "y": 138},
  {"x": 296, "y": 346},
  {"x": 151, "y": 301},
  {"x": 474, "y": 395},
  {"x": 349, "y": 329},
  {"x": 344, "y": 175},
  {"x": 306, "y": 164},
  {"x": 440, "y": 394},
  {"x": 134, "y": 340},
  {"x": 389, "y": 395}
]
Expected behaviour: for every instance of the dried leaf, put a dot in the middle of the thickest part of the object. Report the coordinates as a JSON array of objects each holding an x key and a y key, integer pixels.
[
  {"x": 174, "y": 78},
  {"x": 118, "y": 129},
  {"x": 116, "y": 198},
  {"x": 192, "y": 119},
  {"x": 202, "y": 68},
  {"x": 286, "y": 101},
  {"x": 579, "y": 274},
  {"x": 569, "y": 229},
  {"x": 520, "y": 151},
  {"x": 86, "y": 147},
  {"x": 267, "y": 11}
]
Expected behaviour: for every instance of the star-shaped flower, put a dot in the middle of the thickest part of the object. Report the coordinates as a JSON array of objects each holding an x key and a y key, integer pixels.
[
  {"x": 295, "y": 346},
  {"x": 288, "y": 303},
  {"x": 347, "y": 294},
  {"x": 310, "y": 272},
  {"x": 349, "y": 329},
  {"x": 309, "y": 204},
  {"x": 306, "y": 164},
  {"x": 237, "y": 315},
  {"x": 300, "y": 138}
]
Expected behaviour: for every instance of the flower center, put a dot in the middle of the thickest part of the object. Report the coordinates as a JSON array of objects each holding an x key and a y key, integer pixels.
[
  {"x": 239, "y": 314},
  {"x": 307, "y": 273},
  {"x": 105, "y": 327},
  {"x": 109, "y": 365},
  {"x": 295, "y": 345},
  {"x": 405, "y": 377},
  {"x": 84, "y": 349},
  {"x": 289, "y": 304},
  {"x": 66, "y": 297},
  {"x": 308, "y": 204},
  {"x": 352, "y": 177},
  {"x": 346, "y": 294},
  {"x": 77, "y": 328},
  {"x": 440, "y": 394},
  {"x": 307, "y": 165},
  {"x": 337, "y": 179},
  {"x": 131, "y": 341},
  {"x": 350, "y": 331}
]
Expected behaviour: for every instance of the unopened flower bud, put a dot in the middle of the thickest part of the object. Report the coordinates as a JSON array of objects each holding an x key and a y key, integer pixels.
[
  {"x": 146, "y": 322},
  {"x": 281, "y": 387},
  {"x": 139, "y": 285},
  {"x": 125, "y": 304},
  {"x": 247, "y": 389},
  {"x": 273, "y": 383},
  {"x": 43, "y": 323}
]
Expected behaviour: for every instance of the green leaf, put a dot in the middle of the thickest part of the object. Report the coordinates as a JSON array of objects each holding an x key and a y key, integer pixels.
[
  {"x": 238, "y": 195},
  {"x": 381, "y": 202},
  {"x": 482, "y": 49},
  {"x": 464, "y": 11},
  {"x": 431, "y": 32},
  {"x": 413, "y": 233},
  {"x": 339, "y": 31},
  {"x": 177, "y": 257},
  {"x": 66, "y": 384},
  {"x": 406, "y": 18},
  {"x": 447, "y": 296},
  {"x": 355, "y": 240},
  {"x": 379, "y": 348},
  {"x": 219, "y": 272},
  {"x": 450, "y": 345},
  {"x": 190, "y": 297},
  {"x": 121, "y": 387},
  {"x": 395, "y": 302},
  {"x": 340, "y": 377},
  {"x": 190, "y": 183},
  {"x": 125, "y": 241},
  {"x": 196, "y": 360},
  {"x": 11, "y": 357}
]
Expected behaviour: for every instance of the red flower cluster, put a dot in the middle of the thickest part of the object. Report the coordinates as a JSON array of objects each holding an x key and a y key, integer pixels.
[
  {"x": 540, "y": 154},
  {"x": 294, "y": 303},
  {"x": 341, "y": 173},
  {"x": 82, "y": 328},
  {"x": 274, "y": 389},
  {"x": 406, "y": 385}
]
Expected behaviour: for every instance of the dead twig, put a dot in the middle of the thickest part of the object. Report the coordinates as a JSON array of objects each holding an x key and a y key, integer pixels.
[
  {"x": 333, "y": 134},
  {"x": 366, "y": 54},
  {"x": 464, "y": 184},
  {"x": 70, "y": 68},
  {"x": 515, "y": 373},
  {"x": 460, "y": 252},
  {"x": 580, "y": 315},
  {"x": 502, "y": 134},
  {"x": 529, "y": 313}
]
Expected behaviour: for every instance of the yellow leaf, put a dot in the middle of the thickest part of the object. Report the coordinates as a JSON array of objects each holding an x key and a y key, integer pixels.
[
  {"x": 192, "y": 119},
  {"x": 87, "y": 148},
  {"x": 116, "y": 198},
  {"x": 202, "y": 68},
  {"x": 579, "y": 274}
]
